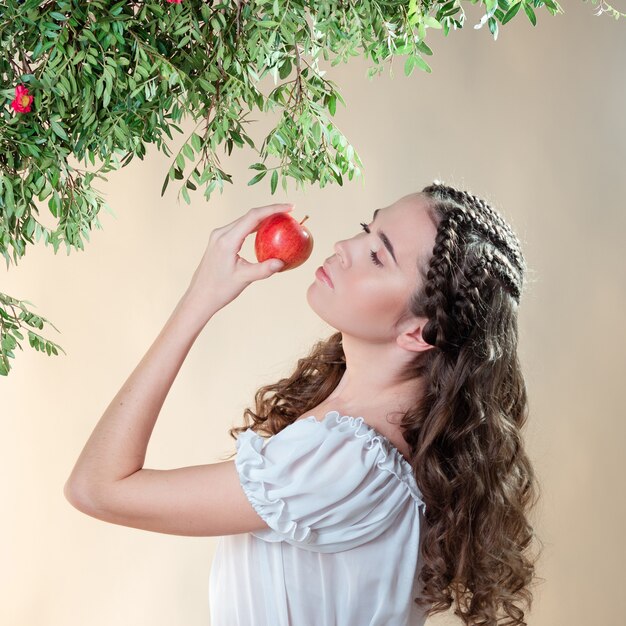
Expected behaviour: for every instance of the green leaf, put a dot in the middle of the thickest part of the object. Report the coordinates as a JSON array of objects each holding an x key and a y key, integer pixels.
[
  {"x": 492, "y": 5},
  {"x": 54, "y": 204},
  {"x": 186, "y": 195},
  {"x": 429, "y": 20},
  {"x": 285, "y": 69},
  {"x": 409, "y": 65},
  {"x": 421, "y": 63},
  {"x": 257, "y": 178},
  {"x": 58, "y": 129},
  {"x": 421, "y": 45},
  {"x": 8, "y": 196},
  {"x": 493, "y": 27},
  {"x": 531, "y": 14},
  {"x": 316, "y": 132},
  {"x": 274, "y": 181},
  {"x": 167, "y": 180},
  {"x": 196, "y": 142},
  {"x": 511, "y": 13},
  {"x": 332, "y": 104}
]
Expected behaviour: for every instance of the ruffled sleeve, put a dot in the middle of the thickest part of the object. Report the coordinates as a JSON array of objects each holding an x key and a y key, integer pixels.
[{"x": 323, "y": 486}]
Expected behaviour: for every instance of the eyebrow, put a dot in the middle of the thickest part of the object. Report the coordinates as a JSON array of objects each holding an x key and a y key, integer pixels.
[{"x": 385, "y": 240}]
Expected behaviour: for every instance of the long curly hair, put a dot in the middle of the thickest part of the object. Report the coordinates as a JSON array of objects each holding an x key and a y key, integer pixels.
[{"x": 464, "y": 435}]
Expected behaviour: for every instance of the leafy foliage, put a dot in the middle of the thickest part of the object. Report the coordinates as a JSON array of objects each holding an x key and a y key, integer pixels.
[
  {"x": 10, "y": 335},
  {"x": 97, "y": 80}
]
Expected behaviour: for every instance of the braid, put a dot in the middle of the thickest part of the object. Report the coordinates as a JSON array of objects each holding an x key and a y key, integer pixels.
[
  {"x": 495, "y": 227},
  {"x": 438, "y": 288},
  {"x": 505, "y": 238},
  {"x": 500, "y": 265},
  {"x": 507, "y": 263},
  {"x": 467, "y": 301}
]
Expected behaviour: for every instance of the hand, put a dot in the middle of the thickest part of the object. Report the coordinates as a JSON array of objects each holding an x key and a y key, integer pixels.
[{"x": 222, "y": 274}]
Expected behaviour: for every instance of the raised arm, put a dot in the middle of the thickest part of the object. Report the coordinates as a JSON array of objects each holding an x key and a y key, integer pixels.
[{"x": 108, "y": 480}]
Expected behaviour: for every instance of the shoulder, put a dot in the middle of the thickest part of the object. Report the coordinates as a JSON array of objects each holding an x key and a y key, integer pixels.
[{"x": 322, "y": 483}]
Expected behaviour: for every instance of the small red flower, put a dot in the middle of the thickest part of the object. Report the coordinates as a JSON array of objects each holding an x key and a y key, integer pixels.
[
  {"x": 174, "y": 1},
  {"x": 23, "y": 100}
]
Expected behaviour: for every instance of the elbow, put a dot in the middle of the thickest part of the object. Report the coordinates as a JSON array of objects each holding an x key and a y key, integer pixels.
[
  {"x": 71, "y": 495},
  {"x": 78, "y": 497}
]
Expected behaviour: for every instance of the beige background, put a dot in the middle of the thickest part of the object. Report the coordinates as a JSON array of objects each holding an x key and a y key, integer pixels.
[{"x": 533, "y": 122}]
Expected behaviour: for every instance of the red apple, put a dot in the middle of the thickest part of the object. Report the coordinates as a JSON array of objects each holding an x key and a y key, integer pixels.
[{"x": 280, "y": 236}]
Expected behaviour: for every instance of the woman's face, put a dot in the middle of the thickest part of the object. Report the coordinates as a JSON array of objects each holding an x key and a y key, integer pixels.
[{"x": 369, "y": 295}]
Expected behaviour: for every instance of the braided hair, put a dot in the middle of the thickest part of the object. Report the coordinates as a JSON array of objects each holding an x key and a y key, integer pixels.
[
  {"x": 468, "y": 455},
  {"x": 476, "y": 254}
]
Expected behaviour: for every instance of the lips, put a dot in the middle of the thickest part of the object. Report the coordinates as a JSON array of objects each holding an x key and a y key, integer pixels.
[
  {"x": 322, "y": 275},
  {"x": 325, "y": 268}
]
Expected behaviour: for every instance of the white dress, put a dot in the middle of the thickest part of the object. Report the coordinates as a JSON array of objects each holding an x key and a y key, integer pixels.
[{"x": 343, "y": 544}]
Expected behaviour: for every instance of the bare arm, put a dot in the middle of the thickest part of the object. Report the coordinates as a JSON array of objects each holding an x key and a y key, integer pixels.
[
  {"x": 117, "y": 446},
  {"x": 108, "y": 480}
]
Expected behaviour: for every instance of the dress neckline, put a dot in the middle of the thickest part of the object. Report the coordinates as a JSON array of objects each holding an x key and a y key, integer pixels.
[
  {"x": 372, "y": 430},
  {"x": 390, "y": 460}
]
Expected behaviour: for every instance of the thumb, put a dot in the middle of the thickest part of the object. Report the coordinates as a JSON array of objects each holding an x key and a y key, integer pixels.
[
  {"x": 275, "y": 265},
  {"x": 269, "y": 267}
]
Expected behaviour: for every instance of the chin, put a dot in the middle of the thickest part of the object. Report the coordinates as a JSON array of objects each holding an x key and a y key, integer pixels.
[
  {"x": 312, "y": 300},
  {"x": 310, "y": 288}
]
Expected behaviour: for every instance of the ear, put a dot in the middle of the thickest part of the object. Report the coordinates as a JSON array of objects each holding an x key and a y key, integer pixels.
[{"x": 410, "y": 336}]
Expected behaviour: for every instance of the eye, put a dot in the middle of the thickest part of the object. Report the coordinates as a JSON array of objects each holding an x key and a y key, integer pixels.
[{"x": 374, "y": 256}]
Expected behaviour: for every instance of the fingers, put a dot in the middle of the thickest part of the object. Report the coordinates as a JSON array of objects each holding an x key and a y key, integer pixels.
[
  {"x": 274, "y": 207},
  {"x": 251, "y": 221}
]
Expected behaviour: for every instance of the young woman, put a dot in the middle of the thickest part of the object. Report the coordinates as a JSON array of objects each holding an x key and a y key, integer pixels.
[{"x": 393, "y": 481}]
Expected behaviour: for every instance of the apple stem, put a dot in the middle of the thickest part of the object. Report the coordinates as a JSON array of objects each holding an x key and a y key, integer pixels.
[{"x": 306, "y": 217}]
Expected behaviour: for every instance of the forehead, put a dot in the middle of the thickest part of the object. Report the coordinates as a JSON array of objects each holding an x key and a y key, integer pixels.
[{"x": 410, "y": 227}]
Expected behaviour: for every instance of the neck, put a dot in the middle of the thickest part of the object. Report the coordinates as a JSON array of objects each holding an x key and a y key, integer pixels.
[{"x": 371, "y": 385}]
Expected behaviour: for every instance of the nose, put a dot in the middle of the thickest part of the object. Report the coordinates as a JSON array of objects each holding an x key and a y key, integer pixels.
[{"x": 340, "y": 252}]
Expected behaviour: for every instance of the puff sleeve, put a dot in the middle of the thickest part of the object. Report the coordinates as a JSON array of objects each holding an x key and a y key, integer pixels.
[{"x": 322, "y": 486}]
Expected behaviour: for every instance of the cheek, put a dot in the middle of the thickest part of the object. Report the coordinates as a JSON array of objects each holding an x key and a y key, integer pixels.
[
  {"x": 365, "y": 306},
  {"x": 374, "y": 303}
]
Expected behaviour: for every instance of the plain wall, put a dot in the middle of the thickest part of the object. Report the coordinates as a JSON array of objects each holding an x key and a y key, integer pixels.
[{"x": 534, "y": 123}]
